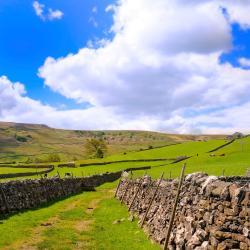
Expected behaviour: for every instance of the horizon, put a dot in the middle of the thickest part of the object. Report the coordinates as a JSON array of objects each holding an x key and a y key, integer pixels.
[
  {"x": 167, "y": 66},
  {"x": 133, "y": 130}
]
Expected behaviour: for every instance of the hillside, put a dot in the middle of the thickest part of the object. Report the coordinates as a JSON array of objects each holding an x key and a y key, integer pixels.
[{"x": 19, "y": 141}]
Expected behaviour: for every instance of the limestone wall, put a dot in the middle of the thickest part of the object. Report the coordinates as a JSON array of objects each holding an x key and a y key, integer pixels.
[
  {"x": 18, "y": 195},
  {"x": 213, "y": 213}
]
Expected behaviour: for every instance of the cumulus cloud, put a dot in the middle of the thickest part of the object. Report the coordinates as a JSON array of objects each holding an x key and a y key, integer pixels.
[
  {"x": 162, "y": 58},
  {"x": 244, "y": 62},
  {"x": 238, "y": 11},
  {"x": 46, "y": 15},
  {"x": 162, "y": 62},
  {"x": 17, "y": 107}
]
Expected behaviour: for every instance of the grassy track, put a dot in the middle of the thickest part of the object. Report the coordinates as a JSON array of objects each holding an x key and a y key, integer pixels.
[{"x": 84, "y": 221}]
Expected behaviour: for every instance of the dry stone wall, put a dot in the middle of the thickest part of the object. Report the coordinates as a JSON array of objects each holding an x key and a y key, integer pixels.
[
  {"x": 212, "y": 213},
  {"x": 26, "y": 174},
  {"x": 18, "y": 195}
]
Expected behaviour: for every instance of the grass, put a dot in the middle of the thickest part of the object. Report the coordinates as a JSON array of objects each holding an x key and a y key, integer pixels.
[
  {"x": 69, "y": 144},
  {"x": 124, "y": 235},
  {"x": 235, "y": 162},
  {"x": 6, "y": 170},
  {"x": 83, "y": 221}
]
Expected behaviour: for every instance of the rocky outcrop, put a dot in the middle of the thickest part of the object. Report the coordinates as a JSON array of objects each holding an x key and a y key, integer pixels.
[
  {"x": 19, "y": 195},
  {"x": 212, "y": 213}
]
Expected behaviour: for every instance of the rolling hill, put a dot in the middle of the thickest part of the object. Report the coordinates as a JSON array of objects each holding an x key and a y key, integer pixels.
[{"x": 19, "y": 142}]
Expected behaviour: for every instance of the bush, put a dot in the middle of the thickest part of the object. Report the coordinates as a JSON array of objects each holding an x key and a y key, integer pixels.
[
  {"x": 53, "y": 158},
  {"x": 21, "y": 138},
  {"x": 95, "y": 148}
]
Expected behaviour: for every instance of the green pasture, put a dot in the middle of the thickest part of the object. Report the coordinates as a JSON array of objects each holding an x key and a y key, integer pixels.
[
  {"x": 87, "y": 221},
  {"x": 172, "y": 151},
  {"x": 6, "y": 170},
  {"x": 236, "y": 160},
  {"x": 84, "y": 221}
]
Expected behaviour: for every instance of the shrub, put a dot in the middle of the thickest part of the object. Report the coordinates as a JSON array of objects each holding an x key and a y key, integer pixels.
[
  {"x": 95, "y": 148},
  {"x": 53, "y": 158},
  {"x": 21, "y": 138}
]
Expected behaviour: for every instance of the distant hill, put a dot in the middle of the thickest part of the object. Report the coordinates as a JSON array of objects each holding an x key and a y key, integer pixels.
[{"x": 19, "y": 141}]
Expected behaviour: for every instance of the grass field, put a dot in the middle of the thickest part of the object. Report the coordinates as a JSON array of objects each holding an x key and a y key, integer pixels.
[
  {"x": 6, "y": 170},
  {"x": 40, "y": 141},
  {"x": 235, "y": 162},
  {"x": 84, "y": 221}
]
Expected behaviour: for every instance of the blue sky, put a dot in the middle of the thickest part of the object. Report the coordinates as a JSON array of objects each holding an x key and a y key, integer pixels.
[
  {"x": 26, "y": 40},
  {"x": 176, "y": 66},
  {"x": 241, "y": 45}
]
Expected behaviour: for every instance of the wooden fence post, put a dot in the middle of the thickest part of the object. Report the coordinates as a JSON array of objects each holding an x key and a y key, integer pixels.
[
  {"x": 137, "y": 191},
  {"x": 118, "y": 186},
  {"x": 171, "y": 222},
  {"x": 151, "y": 200},
  {"x": 126, "y": 190}
]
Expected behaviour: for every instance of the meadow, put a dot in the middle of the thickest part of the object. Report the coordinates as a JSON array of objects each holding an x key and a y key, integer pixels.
[
  {"x": 236, "y": 160},
  {"x": 96, "y": 220},
  {"x": 32, "y": 142}
]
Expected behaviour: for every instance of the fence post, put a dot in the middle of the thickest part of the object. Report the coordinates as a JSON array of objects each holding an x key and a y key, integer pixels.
[
  {"x": 126, "y": 190},
  {"x": 171, "y": 222},
  {"x": 137, "y": 191},
  {"x": 118, "y": 186},
  {"x": 151, "y": 200}
]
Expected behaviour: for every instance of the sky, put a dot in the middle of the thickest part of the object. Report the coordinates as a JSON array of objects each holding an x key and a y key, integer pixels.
[{"x": 178, "y": 66}]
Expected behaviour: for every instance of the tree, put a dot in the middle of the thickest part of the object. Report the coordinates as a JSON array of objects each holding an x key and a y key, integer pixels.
[
  {"x": 95, "y": 148},
  {"x": 53, "y": 158}
]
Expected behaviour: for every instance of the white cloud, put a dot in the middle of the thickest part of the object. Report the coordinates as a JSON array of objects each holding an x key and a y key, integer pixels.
[
  {"x": 93, "y": 21},
  {"x": 17, "y": 107},
  {"x": 39, "y": 8},
  {"x": 55, "y": 14},
  {"x": 162, "y": 58},
  {"x": 238, "y": 11},
  {"x": 94, "y": 9},
  {"x": 162, "y": 61},
  {"x": 244, "y": 62},
  {"x": 50, "y": 15},
  {"x": 92, "y": 18}
]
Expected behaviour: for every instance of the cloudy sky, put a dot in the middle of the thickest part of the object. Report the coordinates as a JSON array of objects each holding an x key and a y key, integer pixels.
[{"x": 166, "y": 65}]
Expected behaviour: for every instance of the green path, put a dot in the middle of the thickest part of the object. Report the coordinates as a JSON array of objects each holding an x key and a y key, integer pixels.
[{"x": 84, "y": 221}]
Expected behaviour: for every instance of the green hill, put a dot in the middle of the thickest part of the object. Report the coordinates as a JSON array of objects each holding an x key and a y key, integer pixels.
[{"x": 18, "y": 141}]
